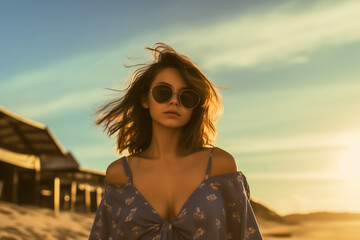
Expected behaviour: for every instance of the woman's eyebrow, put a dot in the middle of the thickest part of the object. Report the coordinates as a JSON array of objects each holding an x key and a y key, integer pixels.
[{"x": 170, "y": 85}]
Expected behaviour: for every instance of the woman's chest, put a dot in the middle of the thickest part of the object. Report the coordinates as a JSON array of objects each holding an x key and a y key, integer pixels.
[
  {"x": 166, "y": 189},
  {"x": 167, "y": 193}
]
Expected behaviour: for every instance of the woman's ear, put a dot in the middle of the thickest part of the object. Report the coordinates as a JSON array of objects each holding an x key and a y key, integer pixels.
[{"x": 145, "y": 102}]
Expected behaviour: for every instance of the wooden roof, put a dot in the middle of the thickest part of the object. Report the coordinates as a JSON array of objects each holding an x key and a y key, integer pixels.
[
  {"x": 28, "y": 138},
  {"x": 21, "y": 135}
]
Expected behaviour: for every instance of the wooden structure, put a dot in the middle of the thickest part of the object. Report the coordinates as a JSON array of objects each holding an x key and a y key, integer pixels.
[{"x": 36, "y": 170}]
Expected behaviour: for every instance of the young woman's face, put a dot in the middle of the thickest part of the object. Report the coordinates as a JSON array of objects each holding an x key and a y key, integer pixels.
[{"x": 172, "y": 78}]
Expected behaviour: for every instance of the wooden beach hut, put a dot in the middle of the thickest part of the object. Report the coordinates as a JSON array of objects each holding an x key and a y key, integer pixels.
[{"x": 35, "y": 169}]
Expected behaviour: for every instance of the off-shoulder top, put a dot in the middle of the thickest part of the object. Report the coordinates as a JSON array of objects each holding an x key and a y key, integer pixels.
[{"x": 218, "y": 209}]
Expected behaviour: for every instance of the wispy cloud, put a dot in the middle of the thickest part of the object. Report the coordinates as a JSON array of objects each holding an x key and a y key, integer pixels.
[
  {"x": 69, "y": 84},
  {"x": 283, "y": 34},
  {"x": 303, "y": 143},
  {"x": 278, "y": 35},
  {"x": 315, "y": 175},
  {"x": 313, "y": 109},
  {"x": 68, "y": 102}
]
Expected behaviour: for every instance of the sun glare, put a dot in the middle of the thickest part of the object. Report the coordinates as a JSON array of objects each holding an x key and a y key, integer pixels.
[{"x": 349, "y": 161}]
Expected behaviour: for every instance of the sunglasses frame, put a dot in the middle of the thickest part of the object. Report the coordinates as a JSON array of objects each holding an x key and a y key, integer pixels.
[{"x": 178, "y": 94}]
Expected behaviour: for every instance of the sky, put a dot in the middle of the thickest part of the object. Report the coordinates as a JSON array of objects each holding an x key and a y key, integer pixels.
[{"x": 291, "y": 111}]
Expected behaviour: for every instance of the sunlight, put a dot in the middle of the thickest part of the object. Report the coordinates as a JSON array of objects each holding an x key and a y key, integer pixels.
[{"x": 349, "y": 161}]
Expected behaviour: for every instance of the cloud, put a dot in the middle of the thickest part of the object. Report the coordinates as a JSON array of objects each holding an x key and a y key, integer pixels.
[
  {"x": 313, "y": 109},
  {"x": 65, "y": 86},
  {"x": 315, "y": 175},
  {"x": 248, "y": 40},
  {"x": 60, "y": 105},
  {"x": 283, "y": 34},
  {"x": 301, "y": 142}
]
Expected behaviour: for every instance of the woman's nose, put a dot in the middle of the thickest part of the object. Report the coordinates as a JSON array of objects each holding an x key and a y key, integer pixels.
[{"x": 174, "y": 99}]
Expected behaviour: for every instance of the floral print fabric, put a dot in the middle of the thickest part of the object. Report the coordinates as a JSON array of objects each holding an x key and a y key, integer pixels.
[{"x": 218, "y": 209}]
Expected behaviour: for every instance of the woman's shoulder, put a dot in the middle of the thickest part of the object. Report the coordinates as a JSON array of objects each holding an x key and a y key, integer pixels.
[
  {"x": 222, "y": 162},
  {"x": 225, "y": 163},
  {"x": 115, "y": 172}
]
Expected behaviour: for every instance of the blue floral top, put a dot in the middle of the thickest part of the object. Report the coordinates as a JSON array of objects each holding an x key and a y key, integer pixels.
[{"x": 218, "y": 209}]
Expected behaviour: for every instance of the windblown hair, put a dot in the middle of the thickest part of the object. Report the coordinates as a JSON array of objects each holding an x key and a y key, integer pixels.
[{"x": 127, "y": 115}]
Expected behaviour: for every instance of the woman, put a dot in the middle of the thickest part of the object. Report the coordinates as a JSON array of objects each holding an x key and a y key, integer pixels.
[{"x": 171, "y": 186}]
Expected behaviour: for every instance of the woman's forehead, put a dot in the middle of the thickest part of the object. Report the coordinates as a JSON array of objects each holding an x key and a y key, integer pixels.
[{"x": 170, "y": 77}]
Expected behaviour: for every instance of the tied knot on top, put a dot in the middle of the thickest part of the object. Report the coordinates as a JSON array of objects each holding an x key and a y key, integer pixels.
[{"x": 167, "y": 226}]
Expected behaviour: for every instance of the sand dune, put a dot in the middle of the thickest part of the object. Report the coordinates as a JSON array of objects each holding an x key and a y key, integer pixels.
[{"x": 29, "y": 222}]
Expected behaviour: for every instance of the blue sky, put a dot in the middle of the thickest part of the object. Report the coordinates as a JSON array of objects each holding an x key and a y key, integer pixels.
[{"x": 291, "y": 115}]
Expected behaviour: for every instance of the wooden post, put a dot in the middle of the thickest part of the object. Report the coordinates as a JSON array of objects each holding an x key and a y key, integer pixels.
[
  {"x": 15, "y": 186},
  {"x": 98, "y": 195},
  {"x": 56, "y": 194},
  {"x": 73, "y": 196},
  {"x": 37, "y": 182},
  {"x": 87, "y": 197}
]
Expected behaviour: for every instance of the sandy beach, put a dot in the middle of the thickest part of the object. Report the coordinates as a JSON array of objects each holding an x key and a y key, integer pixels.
[
  {"x": 28, "y": 222},
  {"x": 311, "y": 230},
  {"x": 19, "y": 222}
]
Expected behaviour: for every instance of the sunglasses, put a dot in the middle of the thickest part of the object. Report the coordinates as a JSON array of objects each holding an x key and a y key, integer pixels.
[{"x": 187, "y": 97}]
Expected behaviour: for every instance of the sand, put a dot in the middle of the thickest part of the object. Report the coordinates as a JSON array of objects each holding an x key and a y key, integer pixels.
[
  {"x": 29, "y": 222},
  {"x": 311, "y": 230}
]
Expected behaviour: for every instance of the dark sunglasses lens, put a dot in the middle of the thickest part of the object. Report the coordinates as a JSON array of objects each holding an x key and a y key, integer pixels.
[
  {"x": 189, "y": 99},
  {"x": 161, "y": 93}
]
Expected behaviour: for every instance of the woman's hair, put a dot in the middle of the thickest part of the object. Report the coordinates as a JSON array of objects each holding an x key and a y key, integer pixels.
[{"x": 127, "y": 115}]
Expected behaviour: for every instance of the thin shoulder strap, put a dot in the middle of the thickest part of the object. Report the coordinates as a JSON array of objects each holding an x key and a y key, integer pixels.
[
  {"x": 127, "y": 169},
  {"x": 209, "y": 164},
  {"x": 246, "y": 185}
]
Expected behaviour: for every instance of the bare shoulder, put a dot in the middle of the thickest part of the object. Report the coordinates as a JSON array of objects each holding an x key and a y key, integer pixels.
[
  {"x": 222, "y": 162},
  {"x": 115, "y": 172}
]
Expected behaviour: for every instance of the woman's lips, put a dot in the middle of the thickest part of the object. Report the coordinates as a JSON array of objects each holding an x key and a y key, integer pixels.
[{"x": 172, "y": 114}]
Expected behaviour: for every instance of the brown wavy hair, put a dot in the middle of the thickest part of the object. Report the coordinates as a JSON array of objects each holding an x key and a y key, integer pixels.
[{"x": 126, "y": 114}]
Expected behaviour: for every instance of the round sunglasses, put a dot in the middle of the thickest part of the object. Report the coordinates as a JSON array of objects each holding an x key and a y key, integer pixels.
[{"x": 187, "y": 97}]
